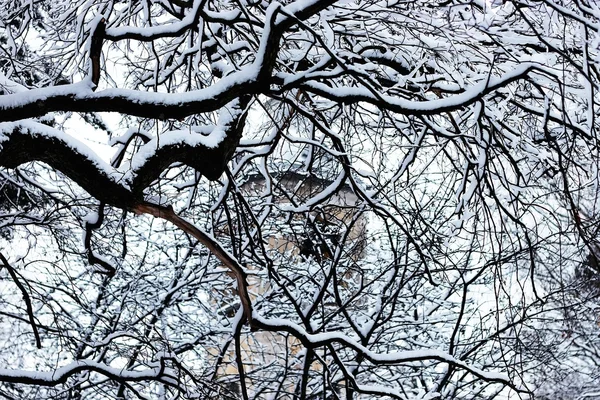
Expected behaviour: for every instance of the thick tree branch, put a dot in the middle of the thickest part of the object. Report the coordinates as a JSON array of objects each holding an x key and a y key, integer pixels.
[
  {"x": 30, "y": 141},
  {"x": 79, "y": 97},
  {"x": 62, "y": 374},
  {"x": 24, "y": 142},
  {"x": 96, "y": 51}
]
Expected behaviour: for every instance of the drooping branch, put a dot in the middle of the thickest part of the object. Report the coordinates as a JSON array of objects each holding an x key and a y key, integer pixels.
[
  {"x": 31, "y": 141},
  {"x": 28, "y": 141},
  {"x": 79, "y": 97},
  {"x": 323, "y": 339},
  {"x": 228, "y": 260},
  {"x": 61, "y": 375},
  {"x": 90, "y": 226}
]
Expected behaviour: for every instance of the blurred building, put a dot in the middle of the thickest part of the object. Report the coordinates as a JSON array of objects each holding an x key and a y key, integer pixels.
[{"x": 301, "y": 236}]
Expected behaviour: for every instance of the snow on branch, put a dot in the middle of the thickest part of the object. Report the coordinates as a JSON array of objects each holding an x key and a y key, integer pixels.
[
  {"x": 60, "y": 375},
  {"x": 79, "y": 97},
  {"x": 25, "y": 141},
  {"x": 314, "y": 340},
  {"x": 352, "y": 95},
  {"x": 404, "y": 175}
]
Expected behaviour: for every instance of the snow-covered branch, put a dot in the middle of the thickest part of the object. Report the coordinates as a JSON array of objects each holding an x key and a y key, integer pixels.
[
  {"x": 308, "y": 199},
  {"x": 62, "y": 374}
]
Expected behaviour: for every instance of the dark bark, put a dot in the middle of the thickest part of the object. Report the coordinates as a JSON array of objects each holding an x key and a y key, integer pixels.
[
  {"x": 22, "y": 146},
  {"x": 96, "y": 50}
]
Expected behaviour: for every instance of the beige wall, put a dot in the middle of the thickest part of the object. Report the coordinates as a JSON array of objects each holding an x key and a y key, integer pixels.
[{"x": 262, "y": 348}]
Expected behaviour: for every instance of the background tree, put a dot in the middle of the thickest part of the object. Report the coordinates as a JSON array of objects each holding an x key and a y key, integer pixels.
[{"x": 299, "y": 199}]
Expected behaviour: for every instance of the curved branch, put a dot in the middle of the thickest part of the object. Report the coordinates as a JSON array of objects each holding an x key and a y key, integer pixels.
[
  {"x": 79, "y": 97},
  {"x": 61, "y": 375},
  {"x": 228, "y": 260},
  {"x": 27, "y": 141},
  {"x": 252, "y": 79},
  {"x": 352, "y": 95},
  {"x": 322, "y": 339},
  {"x": 92, "y": 223},
  {"x": 150, "y": 33},
  {"x": 207, "y": 154}
]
